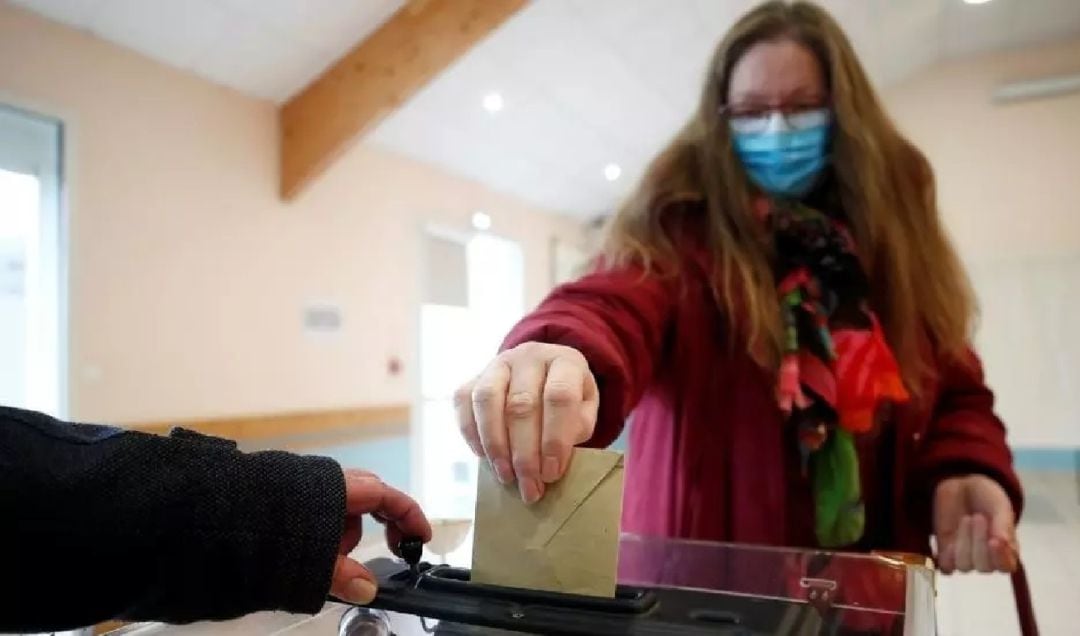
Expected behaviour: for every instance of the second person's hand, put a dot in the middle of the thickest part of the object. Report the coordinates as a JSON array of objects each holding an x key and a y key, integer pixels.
[
  {"x": 366, "y": 494},
  {"x": 527, "y": 411}
]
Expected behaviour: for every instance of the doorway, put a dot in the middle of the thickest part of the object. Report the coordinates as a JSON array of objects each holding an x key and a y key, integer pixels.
[
  {"x": 473, "y": 295},
  {"x": 32, "y": 299}
]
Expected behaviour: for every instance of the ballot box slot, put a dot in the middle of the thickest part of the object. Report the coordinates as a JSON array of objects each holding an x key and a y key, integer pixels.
[
  {"x": 723, "y": 617},
  {"x": 628, "y": 600}
]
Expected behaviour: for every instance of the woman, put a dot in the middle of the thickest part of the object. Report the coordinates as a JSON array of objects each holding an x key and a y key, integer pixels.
[
  {"x": 778, "y": 305},
  {"x": 101, "y": 523}
]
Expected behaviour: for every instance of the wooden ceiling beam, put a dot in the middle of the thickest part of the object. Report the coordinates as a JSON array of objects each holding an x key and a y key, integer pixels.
[{"x": 375, "y": 78}]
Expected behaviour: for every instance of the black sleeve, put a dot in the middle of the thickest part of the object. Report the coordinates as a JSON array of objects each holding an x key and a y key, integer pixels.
[{"x": 99, "y": 523}]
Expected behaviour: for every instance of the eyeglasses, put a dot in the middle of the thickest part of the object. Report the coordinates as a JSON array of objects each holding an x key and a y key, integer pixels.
[{"x": 753, "y": 118}]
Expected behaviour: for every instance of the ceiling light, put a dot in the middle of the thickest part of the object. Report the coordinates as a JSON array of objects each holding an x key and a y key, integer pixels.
[
  {"x": 976, "y": 1},
  {"x": 493, "y": 102},
  {"x": 481, "y": 221},
  {"x": 612, "y": 171}
]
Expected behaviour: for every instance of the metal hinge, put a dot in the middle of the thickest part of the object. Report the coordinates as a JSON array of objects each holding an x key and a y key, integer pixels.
[{"x": 820, "y": 592}]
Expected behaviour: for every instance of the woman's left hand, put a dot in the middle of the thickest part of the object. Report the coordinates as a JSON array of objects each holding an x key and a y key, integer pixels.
[{"x": 975, "y": 526}]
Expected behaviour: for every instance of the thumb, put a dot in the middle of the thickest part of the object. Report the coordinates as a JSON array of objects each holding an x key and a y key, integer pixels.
[{"x": 352, "y": 582}]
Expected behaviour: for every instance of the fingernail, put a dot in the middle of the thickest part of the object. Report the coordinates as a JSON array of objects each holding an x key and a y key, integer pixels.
[
  {"x": 360, "y": 591},
  {"x": 503, "y": 471},
  {"x": 550, "y": 470},
  {"x": 530, "y": 490}
]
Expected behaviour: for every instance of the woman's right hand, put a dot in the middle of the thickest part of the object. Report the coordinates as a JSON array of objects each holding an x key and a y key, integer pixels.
[{"x": 527, "y": 411}]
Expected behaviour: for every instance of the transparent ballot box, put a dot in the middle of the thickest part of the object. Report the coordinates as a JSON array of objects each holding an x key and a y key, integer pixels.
[{"x": 668, "y": 586}]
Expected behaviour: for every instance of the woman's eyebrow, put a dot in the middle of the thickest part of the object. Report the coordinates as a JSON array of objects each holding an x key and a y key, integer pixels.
[
  {"x": 801, "y": 93},
  {"x": 750, "y": 96},
  {"x": 805, "y": 92}
]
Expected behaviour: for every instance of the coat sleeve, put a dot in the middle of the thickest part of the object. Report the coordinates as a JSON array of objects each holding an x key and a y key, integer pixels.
[
  {"x": 617, "y": 318},
  {"x": 102, "y": 523},
  {"x": 965, "y": 435}
]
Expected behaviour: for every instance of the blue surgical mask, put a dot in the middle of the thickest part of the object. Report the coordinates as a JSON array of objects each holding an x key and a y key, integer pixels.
[{"x": 784, "y": 155}]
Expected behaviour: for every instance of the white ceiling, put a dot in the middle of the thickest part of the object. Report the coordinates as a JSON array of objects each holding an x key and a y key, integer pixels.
[
  {"x": 264, "y": 48},
  {"x": 585, "y": 82},
  {"x": 588, "y": 82}
]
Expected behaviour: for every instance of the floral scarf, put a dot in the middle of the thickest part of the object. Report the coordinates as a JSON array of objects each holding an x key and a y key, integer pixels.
[{"x": 837, "y": 369}]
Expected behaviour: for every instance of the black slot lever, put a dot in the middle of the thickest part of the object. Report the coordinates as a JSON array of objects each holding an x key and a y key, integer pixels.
[{"x": 411, "y": 549}]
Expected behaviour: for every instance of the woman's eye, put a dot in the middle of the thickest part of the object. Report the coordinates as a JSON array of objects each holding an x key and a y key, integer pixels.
[
  {"x": 766, "y": 111},
  {"x": 748, "y": 123},
  {"x": 808, "y": 117}
]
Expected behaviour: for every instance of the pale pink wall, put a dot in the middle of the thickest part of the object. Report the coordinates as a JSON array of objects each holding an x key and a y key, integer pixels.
[
  {"x": 1007, "y": 174},
  {"x": 188, "y": 274},
  {"x": 1009, "y": 178}
]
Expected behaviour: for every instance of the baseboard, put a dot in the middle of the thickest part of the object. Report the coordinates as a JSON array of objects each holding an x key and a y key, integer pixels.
[{"x": 1063, "y": 459}]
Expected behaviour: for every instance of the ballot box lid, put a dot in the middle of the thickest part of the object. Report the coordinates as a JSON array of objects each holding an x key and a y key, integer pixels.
[{"x": 892, "y": 583}]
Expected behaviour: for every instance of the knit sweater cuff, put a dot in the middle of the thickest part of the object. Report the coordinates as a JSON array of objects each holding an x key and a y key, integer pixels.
[{"x": 298, "y": 559}]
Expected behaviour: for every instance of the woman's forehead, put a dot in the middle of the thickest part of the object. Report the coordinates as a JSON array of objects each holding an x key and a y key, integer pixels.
[{"x": 776, "y": 71}]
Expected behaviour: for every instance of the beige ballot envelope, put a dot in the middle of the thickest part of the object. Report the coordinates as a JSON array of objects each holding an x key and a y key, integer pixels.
[{"x": 566, "y": 542}]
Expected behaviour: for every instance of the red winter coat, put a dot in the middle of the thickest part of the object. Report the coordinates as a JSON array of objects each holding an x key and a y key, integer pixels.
[{"x": 710, "y": 456}]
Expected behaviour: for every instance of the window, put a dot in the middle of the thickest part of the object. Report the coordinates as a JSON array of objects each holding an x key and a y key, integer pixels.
[
  {"x": 31, "y": 263},
  {"x": 474, "y": 293}
]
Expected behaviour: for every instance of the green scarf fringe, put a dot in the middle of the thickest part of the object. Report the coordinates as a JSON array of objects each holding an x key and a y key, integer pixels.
[{"x": 840, "y": 517}]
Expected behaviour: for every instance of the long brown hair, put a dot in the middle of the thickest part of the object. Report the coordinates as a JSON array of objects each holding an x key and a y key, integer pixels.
[{"x": 883, "y": 183}]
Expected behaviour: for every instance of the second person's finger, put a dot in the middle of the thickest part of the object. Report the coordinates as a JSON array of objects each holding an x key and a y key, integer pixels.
[
  {"x": 352, "y": 582},
  {"x": 369, "y": 495}
]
